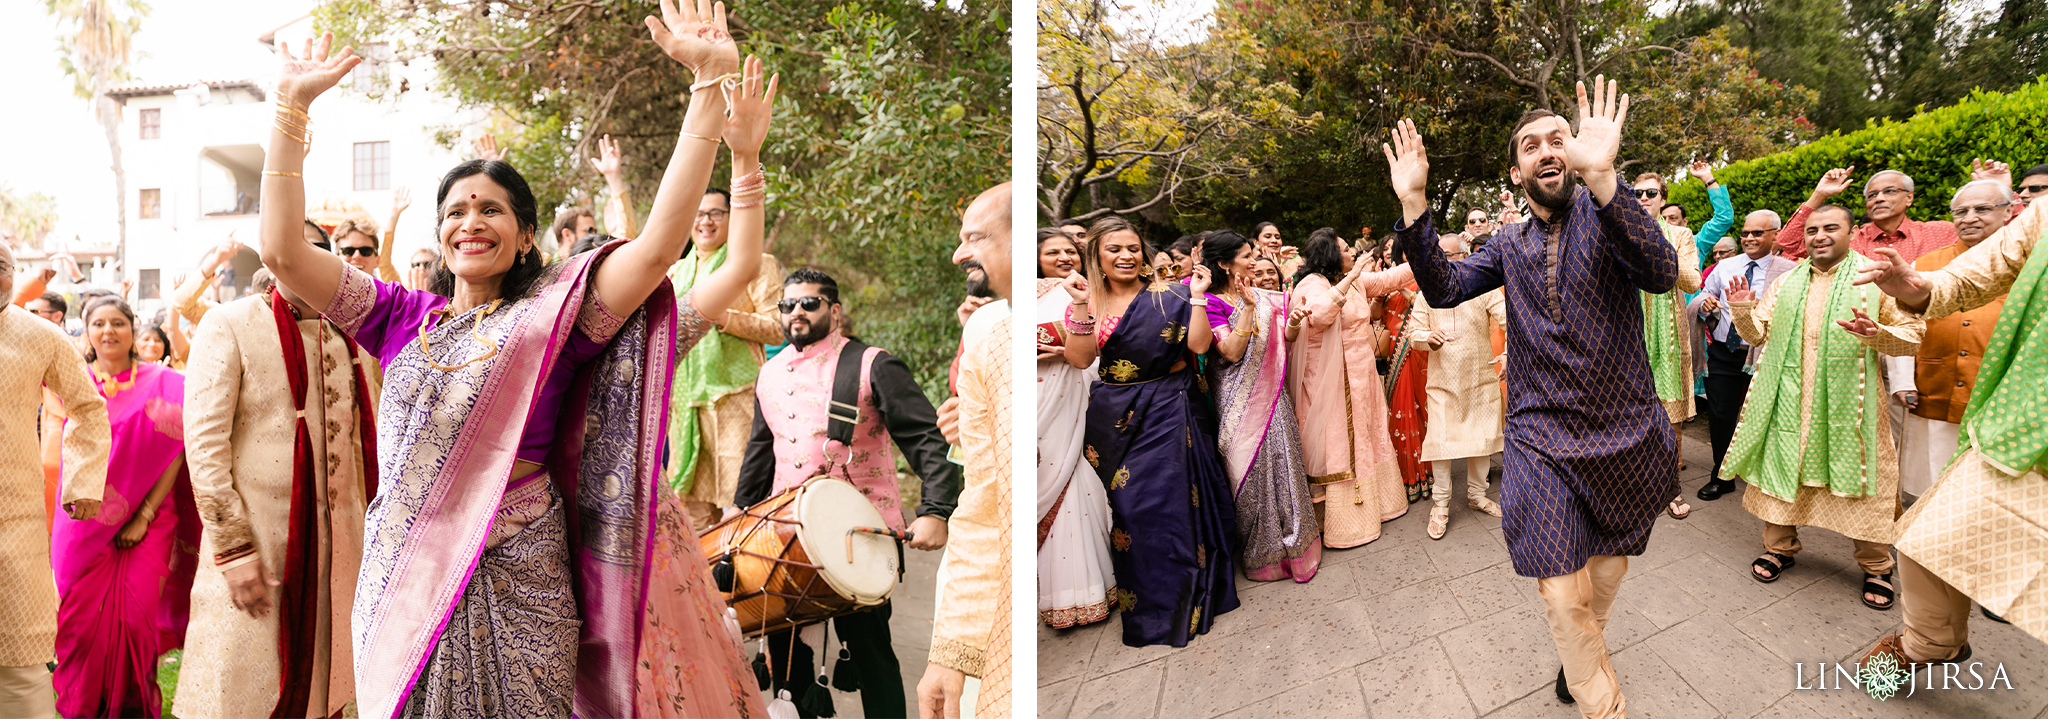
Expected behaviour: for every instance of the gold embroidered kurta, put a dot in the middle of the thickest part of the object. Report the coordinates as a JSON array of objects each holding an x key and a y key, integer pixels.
[
  {"x": 1867, "y": 518},
  {"x": 728, "y": 420},
  {"x": 1464, "y": 393},
  {"x": 1681, "y": 409},
  {"x": 239, "y": 433},
  {"x": 977, "y": 564},
  {"x": 34, "y": 354},
  {"x": 1982, "y": 529}
]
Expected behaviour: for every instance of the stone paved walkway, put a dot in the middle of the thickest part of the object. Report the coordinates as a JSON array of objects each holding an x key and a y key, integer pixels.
[{"x": 1410, "y": 627}]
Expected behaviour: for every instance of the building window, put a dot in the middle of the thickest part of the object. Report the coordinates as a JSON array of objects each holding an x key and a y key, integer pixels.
[
  {"x": 152, "y": 123},
  {"x": 373, "y": 166},
  {"x": 152, "y": 204}
]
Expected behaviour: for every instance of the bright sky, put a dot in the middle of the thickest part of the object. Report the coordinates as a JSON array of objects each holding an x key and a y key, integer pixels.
[
  {"x": 51, "y": 142},
  {"x": 1175, "y": 21}
]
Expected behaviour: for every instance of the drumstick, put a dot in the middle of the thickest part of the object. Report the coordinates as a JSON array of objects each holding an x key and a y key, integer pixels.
[{"x": 902, "y": 535}]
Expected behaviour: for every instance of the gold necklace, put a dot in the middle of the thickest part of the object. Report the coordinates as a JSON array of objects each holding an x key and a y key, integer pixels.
[
  {"x": 110, "y": 385},
  {"x": 490, "y": 348}
]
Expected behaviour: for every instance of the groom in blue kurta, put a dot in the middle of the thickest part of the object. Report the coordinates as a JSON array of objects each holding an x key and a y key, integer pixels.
[{"x": 1591, "y": 457}]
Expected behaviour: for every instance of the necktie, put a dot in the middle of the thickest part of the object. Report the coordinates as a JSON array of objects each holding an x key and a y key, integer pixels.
[{"x": 1734, "y": 340}]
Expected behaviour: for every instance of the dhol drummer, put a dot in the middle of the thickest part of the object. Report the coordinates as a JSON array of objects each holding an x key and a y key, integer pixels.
[{"x": 792, "y": 410}]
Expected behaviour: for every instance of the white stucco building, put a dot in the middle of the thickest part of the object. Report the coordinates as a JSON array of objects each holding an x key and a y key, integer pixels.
[{"x": 193, "y": 151}]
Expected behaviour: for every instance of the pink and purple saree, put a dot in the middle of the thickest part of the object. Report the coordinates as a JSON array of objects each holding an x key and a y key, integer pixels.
[
  {"x": 1260, "y": 439},
  {"x": 119, "y": 609},
  {"x": 576, "y": 588}
]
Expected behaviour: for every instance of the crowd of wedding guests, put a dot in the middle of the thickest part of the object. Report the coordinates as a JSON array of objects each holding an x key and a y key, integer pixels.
[{"x": 1230, "y": 402}]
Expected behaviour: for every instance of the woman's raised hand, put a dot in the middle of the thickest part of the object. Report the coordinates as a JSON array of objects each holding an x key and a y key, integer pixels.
[
  {"x": 694, "y": 33},
  {"x": 752, "y": 109},
  {"x": 1199, "y": 279},
  {"x": 313, "y": 71},
  {"x": 1076, "y": 286}
]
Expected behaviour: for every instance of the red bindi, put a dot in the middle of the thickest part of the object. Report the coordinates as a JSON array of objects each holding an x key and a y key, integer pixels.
[{"x": 472, "y": 196}]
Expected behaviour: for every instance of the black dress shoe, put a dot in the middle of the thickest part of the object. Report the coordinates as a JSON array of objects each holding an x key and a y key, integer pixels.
[
  {"x": 1564, "y": 692},
  {"x": 1714, "y": 488},
  {"x": 1990, "y": 616}
]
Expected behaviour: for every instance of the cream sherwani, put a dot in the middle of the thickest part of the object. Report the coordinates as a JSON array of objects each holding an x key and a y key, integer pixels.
[
  {"x": 1465, "y": 418},
  {"x": 976, "y": 571},
  {"x": 1866, "y": 519},
  {"x": 240, "y": 428},
  {"x": 35, "y": 354}
]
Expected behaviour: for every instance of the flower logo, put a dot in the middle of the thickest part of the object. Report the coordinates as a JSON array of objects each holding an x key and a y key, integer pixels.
[{"x": 1882, "y": 676}]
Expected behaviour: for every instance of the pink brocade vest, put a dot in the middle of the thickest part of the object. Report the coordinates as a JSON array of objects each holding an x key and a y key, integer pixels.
[{"x": 795, "y": 390}]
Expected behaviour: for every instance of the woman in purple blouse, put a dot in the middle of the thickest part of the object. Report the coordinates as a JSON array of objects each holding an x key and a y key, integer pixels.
[{"x": 518, "y": 558}]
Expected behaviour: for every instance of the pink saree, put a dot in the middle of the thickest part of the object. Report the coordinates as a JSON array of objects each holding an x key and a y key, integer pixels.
[
  {"x": 119, "y": 609},
  {"x": 1260, "y": 439},
  {"x": 482, "y": 594}
]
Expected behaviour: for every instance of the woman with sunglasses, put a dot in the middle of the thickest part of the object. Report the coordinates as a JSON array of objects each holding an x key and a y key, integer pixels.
[
  {"x": 482, "y": 434},
  {"x": 1667, "y": 333}
]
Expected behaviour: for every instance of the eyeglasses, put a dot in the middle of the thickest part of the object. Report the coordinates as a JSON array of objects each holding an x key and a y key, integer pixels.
[
  {"x": 719, "y": 215},
  {"x": 1648, "y": 194},
  {"x": 1754, "y": 233},
  {"x": 1886, "y": 192},
  {"x": 370, "y": 251},
  {"x": 810, "y": 304},
  {"x": 2031, "y": 189},
  {"x": 1984, "y": 210}
]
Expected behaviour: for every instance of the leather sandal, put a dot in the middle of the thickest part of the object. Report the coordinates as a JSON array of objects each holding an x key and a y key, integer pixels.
[
  {"x": 1895, "y": 645},
  {"x": 1490, "y": 507},
  {"x": 1679, "y": 509},
  {"x": 1776, "y": 568},
  {"x": 1439, "y": 520},
  {"x": 1871, "y": 586}
]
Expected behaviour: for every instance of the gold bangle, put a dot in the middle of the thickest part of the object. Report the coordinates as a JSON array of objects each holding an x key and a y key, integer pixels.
[
  {"x": 714, "y": 140},
  {"x": 282, "y": 174}
]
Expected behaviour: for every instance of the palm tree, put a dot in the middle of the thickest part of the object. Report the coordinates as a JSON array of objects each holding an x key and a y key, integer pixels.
[{"x": 94, "y": 52}]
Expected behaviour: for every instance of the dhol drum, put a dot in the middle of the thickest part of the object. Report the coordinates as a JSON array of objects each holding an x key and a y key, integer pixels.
[{"x": 817, "y": 551}]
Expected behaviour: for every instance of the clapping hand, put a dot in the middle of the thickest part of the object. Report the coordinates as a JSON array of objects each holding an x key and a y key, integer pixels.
[
  {"x": 1896, "y": 277},
  {"x": 694, "y": 33},
  {"x": 1592, "y": 150},
  {"x": 304, "y": 77},
  {"x": 1738, "y": 290},
  {"x": 1862, "y": 326},
  {"x": 753, "y": 107}
]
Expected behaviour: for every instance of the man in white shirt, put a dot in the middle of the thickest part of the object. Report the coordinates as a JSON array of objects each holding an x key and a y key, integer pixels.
[{"x": 1730, "y": 361}]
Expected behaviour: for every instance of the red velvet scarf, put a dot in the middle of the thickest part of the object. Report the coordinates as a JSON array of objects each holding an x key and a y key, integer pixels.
[{"x": 298, "y": 612}]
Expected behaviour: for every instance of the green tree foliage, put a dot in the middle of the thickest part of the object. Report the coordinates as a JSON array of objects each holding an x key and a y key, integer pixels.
[
  {"x": 893, "y": 115},
  {"x": 26, "y": 218},
  {"x": 1128, "y": 121},
  {"x": 1876, "y": 59},
  {"x": 1934, "y": 148}
]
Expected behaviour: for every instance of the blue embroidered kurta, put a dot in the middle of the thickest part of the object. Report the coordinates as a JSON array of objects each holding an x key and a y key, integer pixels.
[{"x": 1591, "y": 456}]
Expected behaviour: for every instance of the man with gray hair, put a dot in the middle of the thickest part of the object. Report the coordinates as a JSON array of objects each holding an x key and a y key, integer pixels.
[
  {"x": 1886, "y": 195},
  {"x": 1945, "y": 370},
  {"x": 1731, "y": 361}
]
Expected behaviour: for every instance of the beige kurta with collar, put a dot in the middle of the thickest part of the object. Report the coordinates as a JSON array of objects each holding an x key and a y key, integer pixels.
[
  {"x": 1465, "y": 416},
  {"x": 1870, "y": 518},
  {"x": 729, "y": 420},
  {"x": 240, "y": 428},
  {"x": 34, "y": 354},
  {"x": 1982, "y": 528}
]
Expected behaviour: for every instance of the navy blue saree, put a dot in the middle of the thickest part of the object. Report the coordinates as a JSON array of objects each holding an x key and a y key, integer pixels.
[{"x": 1151, "y": 438}]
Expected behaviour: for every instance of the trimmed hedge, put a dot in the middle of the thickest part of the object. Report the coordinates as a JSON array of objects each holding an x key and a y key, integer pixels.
[{"x": 1935, "y": 148}]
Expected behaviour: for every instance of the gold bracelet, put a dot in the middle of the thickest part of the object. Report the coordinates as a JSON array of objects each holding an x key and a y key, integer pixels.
[
  {"x": 288, "y": 135},
  {"x": 714, "y": 140},
  {"x": 282, "y": 174}
]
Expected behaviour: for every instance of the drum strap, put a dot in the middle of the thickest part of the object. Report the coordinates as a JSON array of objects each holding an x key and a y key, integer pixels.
[{"x": 844, "y": 413}]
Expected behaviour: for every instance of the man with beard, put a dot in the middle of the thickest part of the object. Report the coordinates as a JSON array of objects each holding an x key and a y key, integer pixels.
[
  {"x": 709, "y": 415},
  {"x": 1731, "y": 361},
  {"x": 1811, "y": 443},
  {"x": 792, "y": 411},
  {"x": 1886, "y": 195},
  {"x": 1591, "y": 459}
]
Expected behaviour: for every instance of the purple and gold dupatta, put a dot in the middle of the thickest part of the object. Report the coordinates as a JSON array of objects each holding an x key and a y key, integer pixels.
[{"x": 1248, "y": 391}]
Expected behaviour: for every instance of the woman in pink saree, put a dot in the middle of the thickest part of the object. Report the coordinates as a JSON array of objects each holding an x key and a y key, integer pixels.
[
  {"x": 1336, "y": 388},
  {"x": 520, "y": 558},
  {"x": 1277, "y": 533},
  {"x": 124, "y": 577}
]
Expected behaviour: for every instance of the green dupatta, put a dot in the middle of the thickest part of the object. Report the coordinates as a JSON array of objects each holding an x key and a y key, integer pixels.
[
  {"x": 1839, "y": 447},
  {"x": 719, "y": 365},
  {"x": 1660, "y": 339},
  {"x": 2007, "y": 419}
]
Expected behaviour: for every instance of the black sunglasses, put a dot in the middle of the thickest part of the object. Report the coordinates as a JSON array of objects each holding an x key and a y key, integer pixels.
[
  {"x": 358, "y": 252},
  {"x": 2032, "y": 189},
  {"x": 810, "y": 304},
  {"x": 1647, "y": 194}
]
